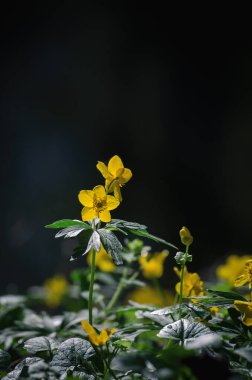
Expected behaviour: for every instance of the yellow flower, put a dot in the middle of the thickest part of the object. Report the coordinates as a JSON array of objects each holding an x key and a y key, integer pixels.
[
  {"x": 246, "y": 309},
  {"x": 103, "y": 260},
  {"x": 115, "y": 174},
  {"x": 245, "y": 276},
  {"x": 97, "y": 339},
  {"x": 153, "y": 265},
  {"x": 213, "y": 310},
  {"x": 97, "y": 204},
  {"x": 192, "y": 284},
  {"x": 150, "y": 296},
  {"x": 232, "y": 268},
  {"x": 185, "y": 236},
  {"x": 56, "y": 288}
]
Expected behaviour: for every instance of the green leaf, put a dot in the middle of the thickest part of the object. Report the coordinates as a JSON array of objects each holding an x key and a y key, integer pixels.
[
  {"x": 68, "y": 223},
  {"x": 5, "y": 359},
  {"x": 147, "y": 235},
  {"x": 81, "y": 250},
  {"x": 94, "y": 242},
  {"x": 20, "y": 367},
  {"x": 228, "y": 295},
  {"x": 40, "y": 344},
  {"x": 69, "y": 232},
  {"x": 117, "y": 223},
  {"x": 73, "y": 354},
  {"x": 111, "y": 245},
  {"x": 245, "y": 353},
  {"x": 184, "y": 330}
]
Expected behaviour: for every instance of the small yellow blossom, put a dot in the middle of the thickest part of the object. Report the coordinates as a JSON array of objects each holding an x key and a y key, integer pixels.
[
  {"x": 232, "y": 268},
  {"x": 246, "y": 309},
  {"x": 103, "y": 260},
  {"x": 192, "y": 284},
  {"x": 97, "y": 204},
  {"x": 185, "y": 236},
  {"x": 213, "y": 310},
  {"x": 97, "y": 339},
  {"x": 150, "y": 296},
  {"x": 153, "y": 265},
  {"x": 115, "y": 174},
  {"x": 245, "y": 276},
  {"x": 55, "y": 288}
]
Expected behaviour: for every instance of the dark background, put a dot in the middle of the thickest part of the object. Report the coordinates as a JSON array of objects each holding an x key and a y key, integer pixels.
[{"x": 172, "y": 97}]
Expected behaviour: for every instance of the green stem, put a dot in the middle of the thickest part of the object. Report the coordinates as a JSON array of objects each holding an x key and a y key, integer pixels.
[
  {"x": 119, "y": 289},
  {"x": 182, "y": 282},
  {"x": 91, "y": 286}
]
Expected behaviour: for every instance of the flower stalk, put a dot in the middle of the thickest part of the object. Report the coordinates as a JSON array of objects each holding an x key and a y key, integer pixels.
[
  {"x": 182, "y": 282},
  {"x": 91, "y": 287}
]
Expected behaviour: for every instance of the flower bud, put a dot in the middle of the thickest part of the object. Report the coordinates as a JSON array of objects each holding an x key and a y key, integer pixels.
[{"x": 185, "y": 236}]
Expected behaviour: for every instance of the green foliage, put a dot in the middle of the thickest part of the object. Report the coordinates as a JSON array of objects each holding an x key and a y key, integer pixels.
[{"x": 149, "y": 342}]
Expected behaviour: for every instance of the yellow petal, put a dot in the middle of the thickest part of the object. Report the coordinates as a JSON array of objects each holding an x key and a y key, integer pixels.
[
  {"x": 117, "y": 191},
  {"x": 161, "y": 256},
  {"x": 103, "y": 169},
  {"x": 109, "y": 184},
  {"x": 177, "y": 271},
  {"x": 125, "y": 176},
  {"x": 105, "y": 216},
  {"x": 247, "y": 320},
  {"x": 94, "y": 339},
  {"x": 88, "y": 328},
  {"x": 86, "y": 197},
  {"x": 242, "y": 306},
  {"x": 241, "y": 280},
  {"x": 103, "y": 337},
  {"x": 99, "y": 191},
  {"x": 88, "y": 213},
  {"x": 112, "y": 202},
  {"x": 115, "y": 163},
  {"x": 106, "y": 334}
]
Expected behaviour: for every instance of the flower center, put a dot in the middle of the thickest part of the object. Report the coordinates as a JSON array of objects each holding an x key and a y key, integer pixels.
[{"x": 100, "y": 204}]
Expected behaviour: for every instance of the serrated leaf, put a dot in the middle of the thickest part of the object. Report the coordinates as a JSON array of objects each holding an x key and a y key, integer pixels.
[
  {"x": 227, "y": 295},
  {"x": 71, "y": 354},
  {"x": 68, "y": 223},
  {"x": 40, "y": 344},
  {"x": 5, "y": 359},
  {"x": 122, "y": 223},
  {"x": 112, "y": 245},
  {"x": 70, "y": 232},
  {"x": 94, "y": 242},
  {"x": 147, "y": 235},
  {"x": 184, "y": 330}
]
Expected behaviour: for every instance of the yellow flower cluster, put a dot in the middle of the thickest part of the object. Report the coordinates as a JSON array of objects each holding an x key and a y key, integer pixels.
[
  {"x": 97, "y": 203},
  {"x": 151, "y": 296},
  {"x": 55, "y": 289},
  {"x": 245, "y": 307},
  {"x": 152, "y": 265},
  {"x": 192, "y": 284},
  {"x": 232, "y": 268},
  {"x": 97, "y": 339}
]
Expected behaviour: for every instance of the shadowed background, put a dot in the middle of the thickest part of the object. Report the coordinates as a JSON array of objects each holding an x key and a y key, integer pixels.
[{"x": 81, "y": 84}]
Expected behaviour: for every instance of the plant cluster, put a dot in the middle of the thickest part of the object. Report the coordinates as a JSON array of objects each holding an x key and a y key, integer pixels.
[{"x": 115, "y": 319}]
